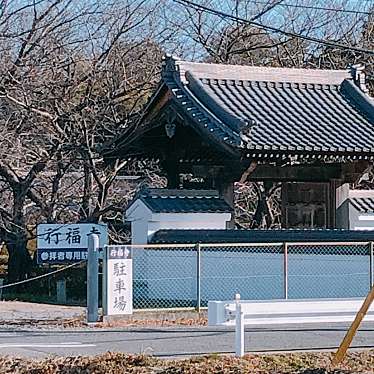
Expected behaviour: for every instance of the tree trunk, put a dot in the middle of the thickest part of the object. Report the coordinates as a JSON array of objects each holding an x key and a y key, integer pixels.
[
  {"x": 262, "y": 216},
  {"x": 261, "y": 212},
  {"x": 20, "y": 262}
]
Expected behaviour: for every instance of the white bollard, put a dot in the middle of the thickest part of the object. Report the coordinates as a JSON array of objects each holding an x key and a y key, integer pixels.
[{"x": 239, "y": 328}]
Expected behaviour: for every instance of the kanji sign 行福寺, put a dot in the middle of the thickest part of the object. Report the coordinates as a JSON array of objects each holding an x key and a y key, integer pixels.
[{"x": 58, "y": 243}]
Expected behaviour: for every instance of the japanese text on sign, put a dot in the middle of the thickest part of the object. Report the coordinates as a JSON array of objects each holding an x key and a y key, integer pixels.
[
  {"x": 57, "y": 243},
  {"x": 48, "y": 255},
  {"x": 119, "y": 280}
]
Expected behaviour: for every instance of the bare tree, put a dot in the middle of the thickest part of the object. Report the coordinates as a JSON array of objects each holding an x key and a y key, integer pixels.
[{"x": 72, "y": 77}]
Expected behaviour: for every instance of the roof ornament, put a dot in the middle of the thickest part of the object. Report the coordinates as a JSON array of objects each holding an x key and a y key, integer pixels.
[
  {"x": 169, "y": 63},
  {"x": 245, "y": 127},
  {"x": 170, "y": 124},
  {"x": 359, "y": 78},
  {"x": 170, "y": 129}
]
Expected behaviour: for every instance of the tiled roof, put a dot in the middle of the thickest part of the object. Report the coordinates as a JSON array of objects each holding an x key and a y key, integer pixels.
[
  {"x": 363, "y": 204},
  {"x": 183, "y": 201},
  {"x": 275, "y": 111},
  {"x": 259, "y": 236}
]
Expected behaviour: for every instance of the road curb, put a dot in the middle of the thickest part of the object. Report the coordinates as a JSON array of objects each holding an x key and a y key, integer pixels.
[{"x": 159, "y": 315}]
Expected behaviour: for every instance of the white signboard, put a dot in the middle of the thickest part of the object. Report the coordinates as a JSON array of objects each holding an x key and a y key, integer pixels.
[
  {"x": 57, "y": 243},
  {"x": 119, "y": 280}
]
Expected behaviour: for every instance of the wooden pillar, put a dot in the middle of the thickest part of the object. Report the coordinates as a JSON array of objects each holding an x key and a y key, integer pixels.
[
  {"x": 172, "y": 172},
  {"x": 284, "y": 211},
  {"x": 331, "y": 215},
  {"x": 173, "y": 180},
  {"x": 226, "y": 191}
]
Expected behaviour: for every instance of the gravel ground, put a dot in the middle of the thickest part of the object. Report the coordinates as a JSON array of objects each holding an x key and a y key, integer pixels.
[
  {"x": 25, "y": 311},
  {"x": 15, "y": 314}
]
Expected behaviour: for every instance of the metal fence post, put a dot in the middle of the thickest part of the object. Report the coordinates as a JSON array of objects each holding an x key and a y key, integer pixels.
[
  {"x": 198, "y": 277},
  {"x": 93, "y": 278},
  {"x": 371, "y": 265},
  {"x": 285, "y": 271},
  {"x": 104, "y": 281}
]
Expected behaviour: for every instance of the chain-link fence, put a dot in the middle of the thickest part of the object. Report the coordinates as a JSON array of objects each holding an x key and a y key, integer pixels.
[
  {"x": 164, "y": 276},
  {"x": 171, "y": 276}
]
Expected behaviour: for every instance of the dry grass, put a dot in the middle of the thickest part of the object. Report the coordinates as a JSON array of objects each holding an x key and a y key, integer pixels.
[
  {"x": 116, "y": 363},
  {"x": 59, "y": 323},
  {"x": 179, "y": 321}
]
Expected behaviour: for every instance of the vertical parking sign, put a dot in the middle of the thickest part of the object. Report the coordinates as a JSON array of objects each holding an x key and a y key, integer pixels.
[{"x": 118, "y": 280}]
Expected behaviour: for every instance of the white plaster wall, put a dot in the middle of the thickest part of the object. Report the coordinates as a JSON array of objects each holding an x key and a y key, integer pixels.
[
  {"x": 343, "y": 215},
  {"x": 187, "y": 221},
  {"x": 139, "y": 215},
  {"x": 348, "y": 217},
  {"x": 144, "y": 223},
  {"x": 139, "y": 231},
  {"x": 359, "y": 221}
]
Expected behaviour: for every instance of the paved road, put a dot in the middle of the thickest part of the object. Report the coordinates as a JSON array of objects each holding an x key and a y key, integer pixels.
[{"x": 178, "y": 341}]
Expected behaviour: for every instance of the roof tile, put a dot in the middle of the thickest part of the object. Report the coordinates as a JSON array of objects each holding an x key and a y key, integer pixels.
[
  {"x": 260, "y": 236},
  {"x": 183, "y": 201},
  {"x": 363, "y": 204},
  {"x": 292, "y": 110}
]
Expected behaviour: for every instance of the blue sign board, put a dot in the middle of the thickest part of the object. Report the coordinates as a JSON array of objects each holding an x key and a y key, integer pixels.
[{"x": 67, "y": 243}]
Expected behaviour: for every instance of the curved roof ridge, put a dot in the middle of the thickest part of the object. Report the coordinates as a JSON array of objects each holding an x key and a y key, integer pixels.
[
  {"x": 271, "y": 84},
  {"x": 364, "y": 102},
  {"x": 259, "y": 73}
]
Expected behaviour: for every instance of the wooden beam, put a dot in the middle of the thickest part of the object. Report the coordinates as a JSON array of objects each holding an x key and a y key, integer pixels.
[
  {"x": 309, "y": 173},
  {"x": 300, "y": 173},
  {"x": 157, "y": 105}
]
